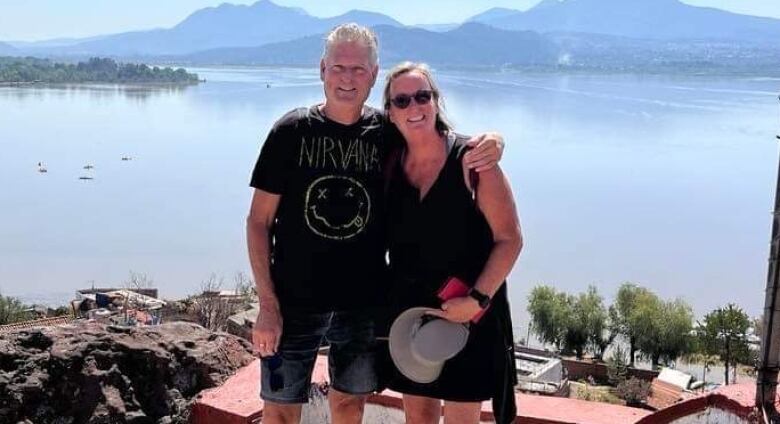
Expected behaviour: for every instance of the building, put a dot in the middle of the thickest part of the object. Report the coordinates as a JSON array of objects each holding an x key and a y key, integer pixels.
[
  {"x": 130, "y": 307},
  {"x": 542, "y": 374}
]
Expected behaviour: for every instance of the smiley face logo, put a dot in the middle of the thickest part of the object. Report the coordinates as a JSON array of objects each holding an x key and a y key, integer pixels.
[{"x": 337, "y": 207}]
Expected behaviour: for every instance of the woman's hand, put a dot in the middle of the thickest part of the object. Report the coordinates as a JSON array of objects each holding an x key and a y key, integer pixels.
[{"x": 458, "y": 309}]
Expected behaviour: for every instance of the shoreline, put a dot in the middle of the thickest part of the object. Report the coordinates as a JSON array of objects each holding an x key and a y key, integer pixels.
[{"x": 160, "y": 84}]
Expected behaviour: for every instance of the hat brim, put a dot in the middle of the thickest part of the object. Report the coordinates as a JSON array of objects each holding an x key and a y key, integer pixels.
[{"x": 400, "y": 341}]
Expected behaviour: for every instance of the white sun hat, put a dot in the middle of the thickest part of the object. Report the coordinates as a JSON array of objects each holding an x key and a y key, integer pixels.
[{"x": 420, "y": 344}]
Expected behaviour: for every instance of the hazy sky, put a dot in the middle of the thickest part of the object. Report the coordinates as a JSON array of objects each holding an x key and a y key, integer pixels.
[{"x": 42, "y": 19}]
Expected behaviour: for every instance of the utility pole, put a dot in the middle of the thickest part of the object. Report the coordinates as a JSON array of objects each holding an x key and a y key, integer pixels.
[{"x": 766, "y": 381}]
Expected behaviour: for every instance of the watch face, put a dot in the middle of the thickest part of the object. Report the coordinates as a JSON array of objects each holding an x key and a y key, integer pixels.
[
  {"x": 484, "y": 303},
  {"x": 482, "y": 299}
]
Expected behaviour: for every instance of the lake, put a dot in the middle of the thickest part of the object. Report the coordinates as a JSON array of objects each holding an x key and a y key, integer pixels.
[{"x": 664, "y": 181}]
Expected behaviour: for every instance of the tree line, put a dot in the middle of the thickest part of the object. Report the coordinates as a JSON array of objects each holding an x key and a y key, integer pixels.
[
  {"x": 658, "y": 330},
  {"x": 206, "y": 308},
  {"x": 655, "y": 329},
  {"x": 95, "y": 70}
]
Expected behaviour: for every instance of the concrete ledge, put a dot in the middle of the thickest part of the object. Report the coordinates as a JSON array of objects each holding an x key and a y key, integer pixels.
[
  {"x": 737, "y": 399},
  {"x": 238, "y": 401},
  {"x": 537, "y": 409}
]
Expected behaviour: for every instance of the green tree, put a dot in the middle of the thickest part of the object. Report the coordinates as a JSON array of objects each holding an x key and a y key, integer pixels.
[
  {"x": 622, "y": 318},
  {"x": 724, "y": 332},
  {"x": 550, "y": 314},
  {"x": 574, "y": 324},
  {"x": 575, "y": 335},
  {"x": 663, "y": 329},
  {"x": 676, "y": 333},
  {"x": 587, "y": 328},
  {"x": 600, "y": 334},
  {"x": 12, "y": 310}
]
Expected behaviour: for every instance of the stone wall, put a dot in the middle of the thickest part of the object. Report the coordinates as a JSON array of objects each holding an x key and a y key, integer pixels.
[{"x": 92, "y": 373}]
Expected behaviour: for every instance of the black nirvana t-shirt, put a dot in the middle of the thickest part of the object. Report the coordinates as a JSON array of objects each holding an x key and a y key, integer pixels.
[{"x": 328, "y": 248}]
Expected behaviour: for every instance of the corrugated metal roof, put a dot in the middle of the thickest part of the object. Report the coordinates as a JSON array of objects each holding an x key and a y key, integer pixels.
[{"x": 36, "y": 323}]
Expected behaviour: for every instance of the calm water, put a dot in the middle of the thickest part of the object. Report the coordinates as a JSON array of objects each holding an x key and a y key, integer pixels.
[{"x": 663, "y": 181}]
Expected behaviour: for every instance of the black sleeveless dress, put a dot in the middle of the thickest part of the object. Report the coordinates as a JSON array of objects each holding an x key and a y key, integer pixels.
[{"x": 444, "y": 235}]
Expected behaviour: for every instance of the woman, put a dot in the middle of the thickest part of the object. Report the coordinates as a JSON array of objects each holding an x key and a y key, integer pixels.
[{"x": 443, "y": 222}]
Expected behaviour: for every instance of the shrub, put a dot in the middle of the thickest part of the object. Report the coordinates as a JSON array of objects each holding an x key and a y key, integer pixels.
[
  {"x": 12, "y": 310},
  {"x": 617, "y": 367},
  {"x": 634, "y": 391}
]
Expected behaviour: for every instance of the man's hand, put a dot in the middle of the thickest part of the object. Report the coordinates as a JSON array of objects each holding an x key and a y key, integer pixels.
[
  {"x": 486, "y": 151},
  {"x": 459, "y": 309},
  {"x": 267, "y": 331}
]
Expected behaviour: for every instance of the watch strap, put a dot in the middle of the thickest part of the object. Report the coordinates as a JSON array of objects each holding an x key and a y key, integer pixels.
[{"x": 482, "y": 299}]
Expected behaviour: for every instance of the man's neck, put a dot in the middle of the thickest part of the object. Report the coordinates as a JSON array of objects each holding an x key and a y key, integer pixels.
[{"x": 345, "y": 116}]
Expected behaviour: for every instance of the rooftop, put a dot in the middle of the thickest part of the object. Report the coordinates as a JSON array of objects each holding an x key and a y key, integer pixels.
[{"x": 36, "y": 323}]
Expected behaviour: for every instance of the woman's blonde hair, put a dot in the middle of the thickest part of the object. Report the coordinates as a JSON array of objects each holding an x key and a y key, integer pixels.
[{"x": 443, "y": 124}]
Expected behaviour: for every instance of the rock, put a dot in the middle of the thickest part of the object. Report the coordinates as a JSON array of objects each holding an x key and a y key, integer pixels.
[{"x": 93, "y": 373}]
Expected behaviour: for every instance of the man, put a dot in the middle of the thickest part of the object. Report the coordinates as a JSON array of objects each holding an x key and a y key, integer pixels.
[{"x": 316, "y": 239}]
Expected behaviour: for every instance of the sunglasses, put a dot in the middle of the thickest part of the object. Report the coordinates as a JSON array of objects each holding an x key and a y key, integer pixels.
[{"x": 421, "y": 97}]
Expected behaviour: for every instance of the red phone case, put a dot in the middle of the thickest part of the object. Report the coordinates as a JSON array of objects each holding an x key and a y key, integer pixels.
[{"x": 455, "y": 287}]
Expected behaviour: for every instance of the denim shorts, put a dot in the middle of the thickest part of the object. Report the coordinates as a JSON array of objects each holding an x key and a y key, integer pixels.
[{"x": 286, "y": 376}]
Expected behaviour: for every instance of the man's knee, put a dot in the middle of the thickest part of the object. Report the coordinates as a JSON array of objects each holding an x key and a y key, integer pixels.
[{"x": 280, "y": 413}]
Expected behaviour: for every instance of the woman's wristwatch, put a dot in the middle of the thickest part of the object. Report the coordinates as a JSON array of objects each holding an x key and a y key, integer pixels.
[{"x": 482, "y": 299}]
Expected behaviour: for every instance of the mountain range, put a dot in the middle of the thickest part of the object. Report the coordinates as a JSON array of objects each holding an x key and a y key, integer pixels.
[
  {"x": 475, "y": 45},
  {"x": 7, "y": 50},
  {"x": 584, "y": 33},
  {"x": 471, "y": 43},
  {"x": 647, "y": 19},
  {"x": 227, "y": 25}
]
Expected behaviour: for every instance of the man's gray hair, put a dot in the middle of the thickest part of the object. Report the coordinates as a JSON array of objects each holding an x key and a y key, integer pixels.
[{"x": 354, "y": 33}]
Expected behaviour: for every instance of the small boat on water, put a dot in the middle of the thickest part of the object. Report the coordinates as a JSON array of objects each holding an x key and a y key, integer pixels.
[
  {"x": 86, "y": 178},
  {"x": 42, "y": 168},
  {"x": 127, "y": 158},
  {"x": 89, "y": 166}
]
